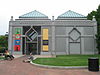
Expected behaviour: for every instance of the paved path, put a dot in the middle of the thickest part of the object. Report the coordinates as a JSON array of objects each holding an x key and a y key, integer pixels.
[{"x": 17, "y": 67}]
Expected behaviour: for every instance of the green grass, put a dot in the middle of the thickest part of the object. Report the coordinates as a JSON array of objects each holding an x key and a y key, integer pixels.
[
  {"x": 66, "y": 60},
  {"x": 1, "y": 57}
]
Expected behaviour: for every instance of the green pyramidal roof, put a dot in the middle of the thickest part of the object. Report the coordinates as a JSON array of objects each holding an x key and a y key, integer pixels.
[
  {"x": 33, "y": 14},
  {"x": 71, "y": 14}
]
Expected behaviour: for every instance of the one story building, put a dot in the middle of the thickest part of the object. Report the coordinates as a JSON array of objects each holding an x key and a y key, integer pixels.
[{"x": 70, "y": 33}]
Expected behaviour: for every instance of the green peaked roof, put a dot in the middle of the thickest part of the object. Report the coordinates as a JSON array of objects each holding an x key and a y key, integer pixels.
[
  {"x": 33, "y": 14},
  {"x": 71, "y": 14}
]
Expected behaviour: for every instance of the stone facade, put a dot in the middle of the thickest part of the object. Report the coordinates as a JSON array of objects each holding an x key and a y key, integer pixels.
[{"x": 65, "y": 35}]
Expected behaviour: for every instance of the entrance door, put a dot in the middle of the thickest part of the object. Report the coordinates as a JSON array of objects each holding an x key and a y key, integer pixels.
[
  {"x": 31, "y": 41},
  {"x": 31, "y": 48}
]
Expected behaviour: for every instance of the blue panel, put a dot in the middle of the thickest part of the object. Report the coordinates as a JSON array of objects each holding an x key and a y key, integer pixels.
[
  {"x": 17, "y": 42},
  {"x": 45, "y": 42}
]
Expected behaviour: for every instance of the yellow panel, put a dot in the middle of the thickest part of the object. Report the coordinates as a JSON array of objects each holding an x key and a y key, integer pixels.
[
  {"x": 45, "y": 47},
  {"x": 45, "y": 34}
]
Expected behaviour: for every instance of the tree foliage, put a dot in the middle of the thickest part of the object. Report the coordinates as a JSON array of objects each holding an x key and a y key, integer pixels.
[
  {"x": 90, "y": 15},
  {"x": 3, "y": 42},
  {"x": 97, "y": 16}
]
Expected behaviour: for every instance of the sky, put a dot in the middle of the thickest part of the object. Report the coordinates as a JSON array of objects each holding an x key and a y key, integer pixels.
[{"x": 50, "y": 8}]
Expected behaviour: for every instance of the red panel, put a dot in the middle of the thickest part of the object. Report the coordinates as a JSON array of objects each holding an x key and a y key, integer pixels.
[{"x": 17, "y": 48}]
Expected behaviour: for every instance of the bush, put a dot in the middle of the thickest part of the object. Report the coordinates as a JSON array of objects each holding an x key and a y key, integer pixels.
[{"x": 2, "y": 49}]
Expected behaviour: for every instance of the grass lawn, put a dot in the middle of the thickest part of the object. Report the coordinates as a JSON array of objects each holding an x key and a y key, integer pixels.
[
  {"x": 66, "y": 60},
  {"x": 1, "y": 57}
]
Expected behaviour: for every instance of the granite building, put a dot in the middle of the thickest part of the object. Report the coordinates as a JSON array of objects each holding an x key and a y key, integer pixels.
[{"x": 70, "y": 33}]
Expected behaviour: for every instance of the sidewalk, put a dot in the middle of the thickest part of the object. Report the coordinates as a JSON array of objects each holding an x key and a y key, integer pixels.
[
  {"x": 18, "y": 67},
  {"x": 43, "y": 56},
  {"x": 17, "y": 56}
]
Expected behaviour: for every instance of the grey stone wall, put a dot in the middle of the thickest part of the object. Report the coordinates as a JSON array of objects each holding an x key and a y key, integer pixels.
[
  {"x": 62, "y": 36},
  {"x": 89, "y": 45},
  {"x": 60, "y": 30},
  {"x": 88, "y": 31}
]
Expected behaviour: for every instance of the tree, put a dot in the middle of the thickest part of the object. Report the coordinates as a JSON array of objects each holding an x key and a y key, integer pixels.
[
  {"x": 97, "y": 16},
  {"x": 90, "y": 15},
  {"x": 3, "y": 42}
]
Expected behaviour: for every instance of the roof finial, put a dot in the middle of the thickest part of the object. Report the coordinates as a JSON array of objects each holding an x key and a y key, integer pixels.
[
  {"x": 11, "y": 18},
  {"x": 52, "y": 18}
]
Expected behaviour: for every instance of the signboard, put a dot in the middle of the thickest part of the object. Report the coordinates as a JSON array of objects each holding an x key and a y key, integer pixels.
[
  {"x": 45, "y": 34},
  {"x": 17, "y": 36},
  {"x": 17, "y": 39},
  {"x": 45, "y": 40},
  {"x": 45, "y": 48},
  {"x": 17, "y": 42},
  {"x": 17, "y": 47}
]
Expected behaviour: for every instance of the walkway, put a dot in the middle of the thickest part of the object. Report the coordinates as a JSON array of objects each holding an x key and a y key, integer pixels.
[{"x": 18, "y": 67}]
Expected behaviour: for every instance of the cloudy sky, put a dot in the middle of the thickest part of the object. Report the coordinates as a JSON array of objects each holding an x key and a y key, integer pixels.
[{"x": 50, "y": 8}]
